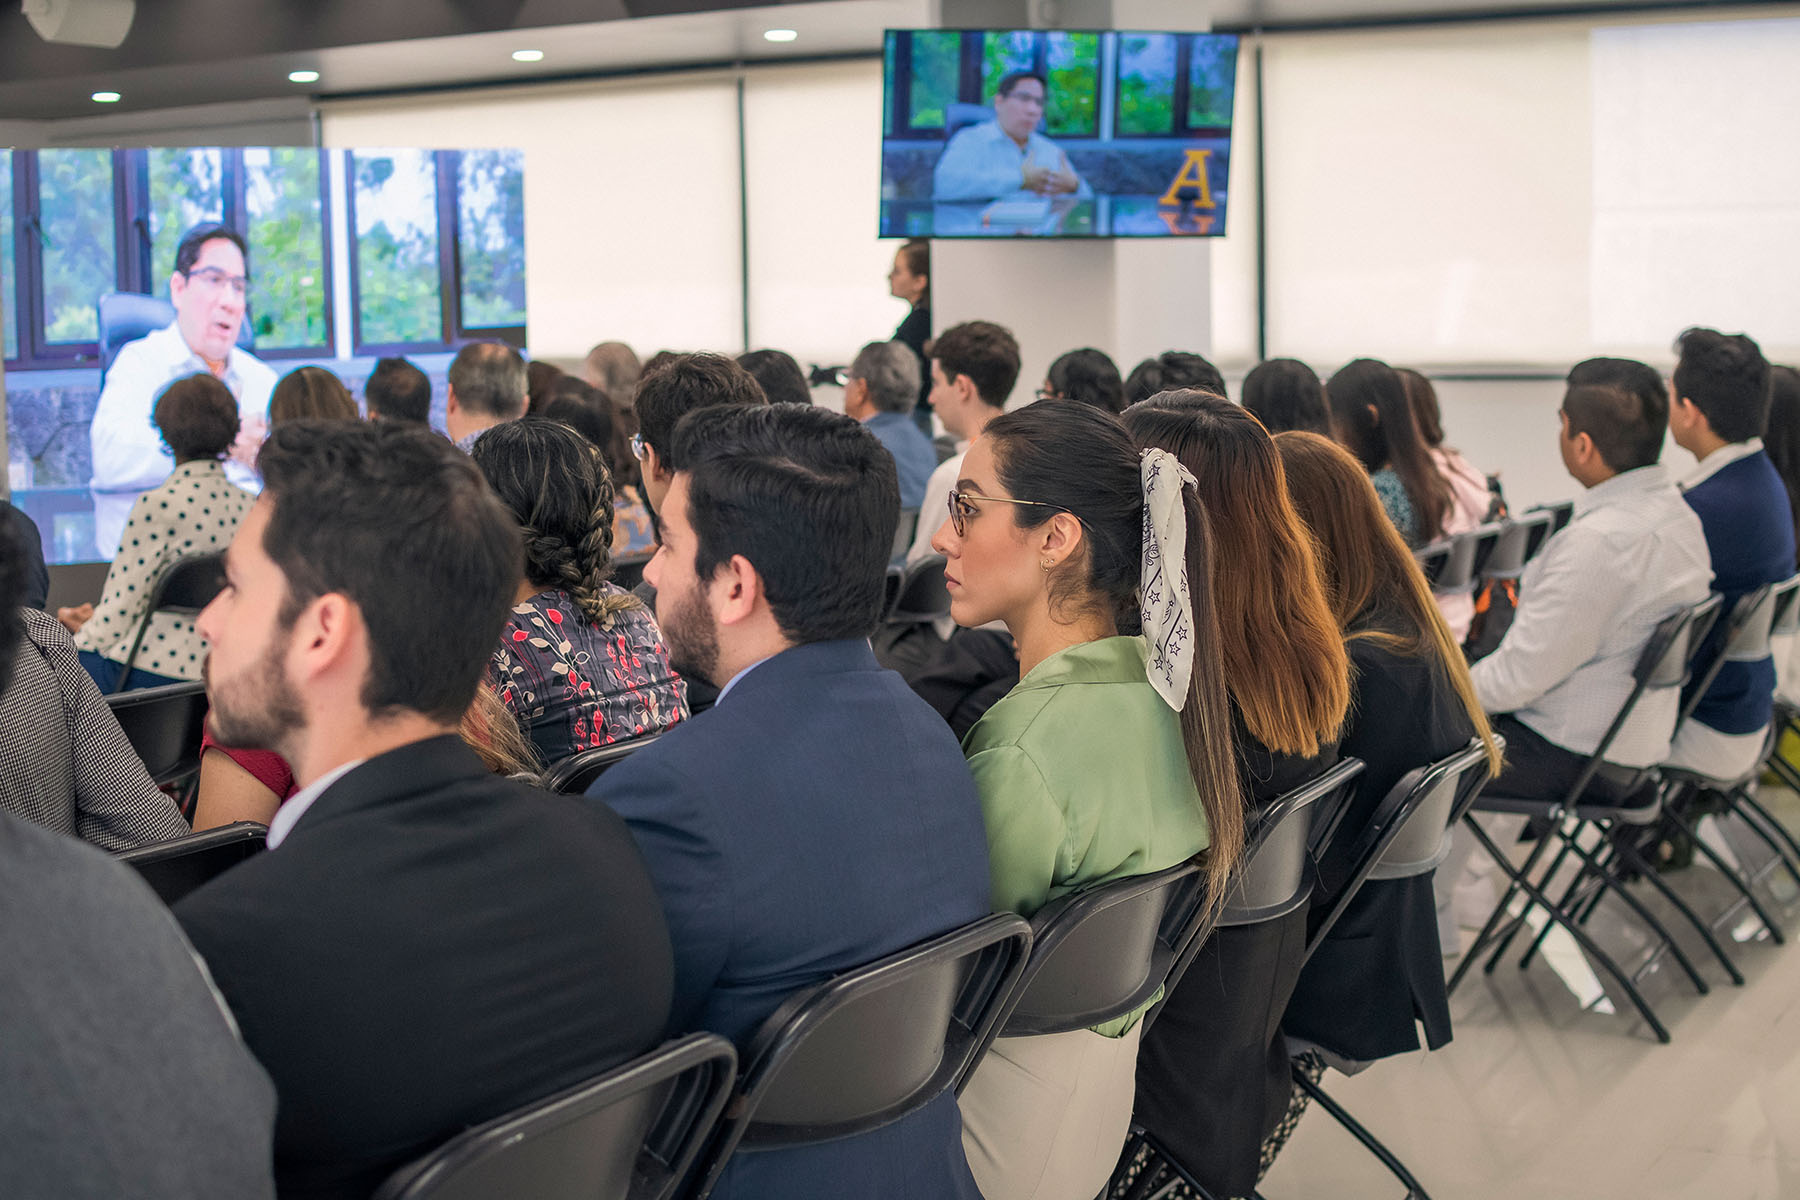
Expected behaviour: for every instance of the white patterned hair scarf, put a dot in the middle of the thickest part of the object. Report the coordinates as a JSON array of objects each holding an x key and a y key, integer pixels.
[{"x": 1163, "y": 598}]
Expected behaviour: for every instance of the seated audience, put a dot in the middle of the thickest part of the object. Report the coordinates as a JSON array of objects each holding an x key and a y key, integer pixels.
[
  {"x": 781, "y": 377},
  {"x": 1470, "y": 498},
  {"x": 1213, "y": 1078},
  {"x": 64, "y": 761},
  {"x": 634, "y": 527},
  {"x": 194, "y": 512},
  {"x": 1285, "y": 394},
  {"x": 583, "y": 408},
  {"x": 1781, "y": 441},
  {"x": 487, "y": 387},
  {"x": 1371, "y": 417},
  {"x": 1170, "y": 371},
  {"x": 423, "y": 947},
  {"x": 1633, "y": 554},
  {"x": 880, "y": 390},
  {"x": 1412, "y": 704},
  {"x": 540, "y": 378},
  {"x": 398, "y": 391},
  {"x": 1087, "y": 376},
  {"x": 1718, "y": 409},
  {"x": 30, "y": 551},
  {"x": 613, "y": 368},
  {"x": 580, "y": 662},
  {"x": 311, "y": 392},
  {"x": 1109, "y": 759},
  {"x": 973, "y": 369},
  {"x": 851, "y": 829}
]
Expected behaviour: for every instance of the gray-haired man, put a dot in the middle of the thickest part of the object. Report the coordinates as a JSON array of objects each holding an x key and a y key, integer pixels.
[{"x": 882, "y": 388}]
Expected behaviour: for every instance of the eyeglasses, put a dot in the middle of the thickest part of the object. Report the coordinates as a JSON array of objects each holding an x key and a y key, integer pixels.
[
  {"x": 961, "y": 509},
  {"x": 213, "y": 278},
  {"x": 638, "y": 447},
  {"x": 1045, "y": 393}
]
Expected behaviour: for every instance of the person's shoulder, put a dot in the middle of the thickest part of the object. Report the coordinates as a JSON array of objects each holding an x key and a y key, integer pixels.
[
  {"x": 45, "y": 630},
  {"x": 252, "y": 370}
]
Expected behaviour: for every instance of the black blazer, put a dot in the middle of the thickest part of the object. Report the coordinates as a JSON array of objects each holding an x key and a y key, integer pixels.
[{"x": 430, "y": 947}]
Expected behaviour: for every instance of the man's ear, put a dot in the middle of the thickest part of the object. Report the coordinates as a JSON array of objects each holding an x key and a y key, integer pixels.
[
  {"x": 735, "y": 589},
  {"x": 323, "y": 634},
  {"x": 653, "y": 464},
  {"x": 450, "y": 404}
]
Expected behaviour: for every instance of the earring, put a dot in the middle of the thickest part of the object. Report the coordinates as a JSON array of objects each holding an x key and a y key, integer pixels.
[{"x": 1046, "y": 563}]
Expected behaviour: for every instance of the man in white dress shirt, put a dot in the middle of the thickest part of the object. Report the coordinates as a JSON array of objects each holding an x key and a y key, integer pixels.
[
  {"x": 209, "y": 289},
  {"x": 1632, "y": 554},
  {"x": 1007, "y": 156}
]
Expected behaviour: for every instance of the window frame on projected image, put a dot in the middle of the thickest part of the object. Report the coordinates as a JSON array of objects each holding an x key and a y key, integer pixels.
[
  {"x": 131, "y": 268},
  {"x": 897, "y": 115}
]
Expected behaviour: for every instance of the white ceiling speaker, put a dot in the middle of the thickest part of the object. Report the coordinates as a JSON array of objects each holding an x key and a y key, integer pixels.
[{"x": 82, "y": 22}]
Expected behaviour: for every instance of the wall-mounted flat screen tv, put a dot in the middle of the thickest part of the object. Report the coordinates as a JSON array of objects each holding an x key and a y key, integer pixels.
[{"x": 1056, "y": 133}]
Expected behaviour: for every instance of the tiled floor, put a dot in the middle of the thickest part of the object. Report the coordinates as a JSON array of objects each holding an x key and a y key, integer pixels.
[{"x": 1536, "y": 1097}]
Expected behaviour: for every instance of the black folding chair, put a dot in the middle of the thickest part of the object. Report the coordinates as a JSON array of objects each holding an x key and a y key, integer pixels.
[
  {"x": 1405, "y": 837},
  {"x": 903, "y": 533},
  {"x": 184, "y": 588},
  {"x": 1434, "y": 560},
  {"x": 630, "y": 1134},
  {"x": 1787, "y": 720},
  {"x": 1666, "y": 662},
  {"x": 1274, "y": 877},
  {"x": 1454, "y": 564},
  {"x": 1519, "y": 540},
  {"x": 1561, "y": 513},
  {"x": 871, "y": 1046},
  {"x": 1689, "y": 795},
  {"x": 178, "y": 866},
  {"x": 922, "y": 595},
  {"x": 573, "y": 775},
  {"x": 165, "y": 726}
]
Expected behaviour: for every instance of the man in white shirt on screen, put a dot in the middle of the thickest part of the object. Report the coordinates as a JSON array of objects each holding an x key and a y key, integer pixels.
[
  {"x": 1007, "y": 156},
  {"x": 209, "y": 290}
]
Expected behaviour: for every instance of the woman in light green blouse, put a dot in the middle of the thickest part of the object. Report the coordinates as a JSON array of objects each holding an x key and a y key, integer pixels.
[{"x": 1111, "y": 758}]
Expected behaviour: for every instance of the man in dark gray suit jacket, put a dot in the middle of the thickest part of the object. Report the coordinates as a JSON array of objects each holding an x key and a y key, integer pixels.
[
  {"x": 821, "y": 815},
  {"x": 424, "y": 946}
]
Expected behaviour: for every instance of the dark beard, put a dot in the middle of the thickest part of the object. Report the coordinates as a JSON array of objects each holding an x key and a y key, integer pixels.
[
  {"x": 263, "y": 715},
  {"x": 692, "y": 638}
]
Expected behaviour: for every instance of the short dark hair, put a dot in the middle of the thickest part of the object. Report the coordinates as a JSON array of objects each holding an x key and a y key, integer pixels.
[
  {"x": 398, "y": 520},
  {"x": 1782, "y": 438},
  {"x": 1640, "y": 379},
  {"x": 987, "y": 353},
  {"x": 1285, "y": 394},
  {"x": 398, "y": 391},
  {"x": 187, "y": 250},
  {"x": 197, "y": 417},
  {"x": 540, "y": 377},
  {"x": 809, "y": 496},
  {"x": 1088, "y": 376},
  {"x": 583, "y": 408},
  {"x": 1013, "y": 79},
  {"x": 687, "y": 382},
  {"x": 783, "y": 382},
  {"x": 311, "y": 392},
  {"x": 489, "y": 378},
  {"x": 1173, "y": 371},
  {"x": 13, "y": 586},
  {"x": 1727, "y": 378},
  {"x": 1623, "y": 431}
]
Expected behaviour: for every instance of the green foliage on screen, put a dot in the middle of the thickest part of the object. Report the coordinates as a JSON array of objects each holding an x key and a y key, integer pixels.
[
  {"x": 491, "y": 237},
  {"x": 1074, "y": 84},
  {"x": 1146, "y": 100},
  {"x": 9, "y": 292},
  {"x": 287, "y": 247},
  {"x": 1212, "y": 82},
  {"x": 397, "y": 268},
  {"x": 75, "y": 193},
  {"x": 936, "y": 62},
  {"x": 186, "y": 188}
]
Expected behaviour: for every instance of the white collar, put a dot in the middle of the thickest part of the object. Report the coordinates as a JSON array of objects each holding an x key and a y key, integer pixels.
[
  {"x": 1719, "y": 459},
  {"x": 289, "y": 814},
  {"x": 734, "y": 679},
  {"x": 180, "y": 354}
]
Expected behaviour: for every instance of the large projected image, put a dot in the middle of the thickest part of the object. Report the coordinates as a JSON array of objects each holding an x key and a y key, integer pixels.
[
  {"x": 1032, "y": 133},
  {"x": 123, "y": 271}
]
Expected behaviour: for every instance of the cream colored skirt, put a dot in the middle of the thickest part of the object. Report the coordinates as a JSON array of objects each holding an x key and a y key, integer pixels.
[{"x": 1044, "y": 1118}]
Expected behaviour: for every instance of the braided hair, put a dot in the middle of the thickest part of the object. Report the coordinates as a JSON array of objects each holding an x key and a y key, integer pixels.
[{"x": 555, "y": 483}]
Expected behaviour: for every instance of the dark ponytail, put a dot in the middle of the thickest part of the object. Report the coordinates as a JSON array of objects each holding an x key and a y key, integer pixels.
[
  {"x": 555, "y": 483},
  {"x": 1079, "y": 459}
]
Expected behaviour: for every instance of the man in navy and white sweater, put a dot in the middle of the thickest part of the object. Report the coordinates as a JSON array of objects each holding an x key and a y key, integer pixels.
[{"x": 1718, "y": 411}]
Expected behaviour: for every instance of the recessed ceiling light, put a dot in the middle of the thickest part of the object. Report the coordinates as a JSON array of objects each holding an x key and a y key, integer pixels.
[
  {"x": 303, "y": 77},
  {"x": 528, "y": 56},
  {"x": 779, "y": 35},
  {"x": 106, "y": 97}
]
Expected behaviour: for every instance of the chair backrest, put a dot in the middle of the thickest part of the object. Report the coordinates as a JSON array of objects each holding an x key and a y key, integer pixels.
[
  {"x": 1519, "y": 539},
  {"x": 1462, "y": 564},
  {"x": 903, "y": 532},
  {"x": 1560, "y": 514},
  {"x": 1485, "y": 537},
  {"x": 628, "y": 570},
  {"x": 959, "y": 116},
  {"x": 1275, "y": 877},
  {"x": 1102, "y": 953},
  {"x": 164, "y": 725},
  {"x": 175, "y": 868},
  {"x": 127, "y": 316},
  {"x": 573, "y": 775},
  {"x": 923, "y": 595},
  {"x": 185, "y": 586},
  {"x": 1405, "y": 836},
  {"x": 872, "y": 1045},
  {"x": 630, "y": 1134},
  {"x": 1747, "y": 629},
  {"x": 1434, "y": 560}
]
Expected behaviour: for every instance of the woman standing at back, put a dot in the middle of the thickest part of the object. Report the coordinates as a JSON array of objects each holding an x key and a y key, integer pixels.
[
  {"x": 1111, "y": 758},
  {"x": 1371, "y": 417},
  {"x": 1213, "y": 1076}
]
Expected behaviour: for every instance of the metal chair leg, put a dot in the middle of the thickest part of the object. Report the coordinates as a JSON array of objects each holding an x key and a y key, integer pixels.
[
  {"x": 1370, "y": 1142},
  {"x": 1649, "y": 872},
  {"x": 1771, "y": 826},
  {"x": 1737, "y": 881}
]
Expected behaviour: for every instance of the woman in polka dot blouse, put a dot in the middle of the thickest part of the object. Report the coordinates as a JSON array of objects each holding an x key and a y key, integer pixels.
[{"x": 195, "y": 511}]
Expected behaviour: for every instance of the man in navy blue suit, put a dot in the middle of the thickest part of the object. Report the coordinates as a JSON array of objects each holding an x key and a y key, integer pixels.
[
  {"x": 820, "y": 816},
  {"x": 1717, "y": 412}
]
